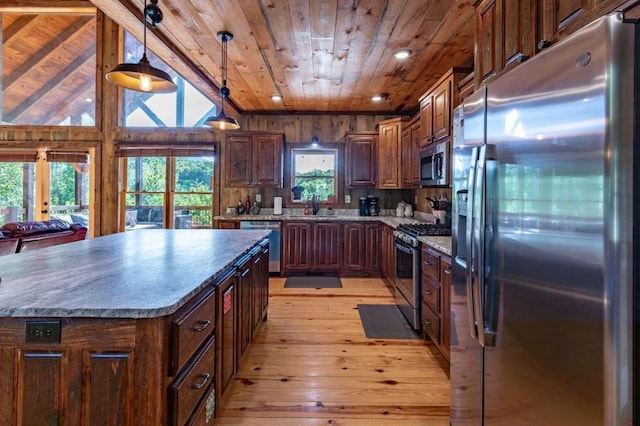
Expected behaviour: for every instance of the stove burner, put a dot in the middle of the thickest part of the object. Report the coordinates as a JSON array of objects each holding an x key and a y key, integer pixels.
[{"x": 420, "y": 229}]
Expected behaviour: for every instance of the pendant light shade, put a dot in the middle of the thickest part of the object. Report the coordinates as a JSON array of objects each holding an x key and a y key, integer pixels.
[
  {"x": 222, "y": 121},
  {"x": 142, "y": 77}
]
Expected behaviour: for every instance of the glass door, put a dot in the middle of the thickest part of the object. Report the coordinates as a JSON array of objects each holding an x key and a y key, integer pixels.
[{"x": 44, "y": 184}]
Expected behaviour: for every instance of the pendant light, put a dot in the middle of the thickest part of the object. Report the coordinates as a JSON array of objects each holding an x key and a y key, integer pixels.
[
  {"x": 142, "y": 76},
  {"x": 222, "y": 121}
]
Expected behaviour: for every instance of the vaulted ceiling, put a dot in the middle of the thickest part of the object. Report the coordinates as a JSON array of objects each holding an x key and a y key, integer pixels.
[{"x": 319, "y": 55}]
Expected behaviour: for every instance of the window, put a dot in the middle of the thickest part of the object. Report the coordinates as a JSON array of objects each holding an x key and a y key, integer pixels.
[
  {"x": 167, "y": 178},
  {"x": 185, "y": 108},
  {"x": 314, "y": 172},
  {"x": 49, "y": 68}
]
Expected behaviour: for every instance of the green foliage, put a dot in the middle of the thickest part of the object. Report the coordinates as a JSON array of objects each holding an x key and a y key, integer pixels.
[{"x": 11, "y": 185}]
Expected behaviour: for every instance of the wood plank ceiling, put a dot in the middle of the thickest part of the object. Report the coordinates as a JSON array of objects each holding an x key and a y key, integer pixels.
[{"x": 320, "y": 55}]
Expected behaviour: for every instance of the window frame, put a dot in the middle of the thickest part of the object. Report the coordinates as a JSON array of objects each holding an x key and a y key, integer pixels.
[{"x": 292, "y": 149}]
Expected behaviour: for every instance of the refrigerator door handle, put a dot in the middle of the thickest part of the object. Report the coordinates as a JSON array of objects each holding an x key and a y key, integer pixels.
[
  {"x": 469, "y": 243},
  {"x": 480, "y": 243}
]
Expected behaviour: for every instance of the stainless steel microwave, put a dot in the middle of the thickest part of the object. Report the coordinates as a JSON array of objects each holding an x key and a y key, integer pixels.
[{"x": 434, "y": 165}]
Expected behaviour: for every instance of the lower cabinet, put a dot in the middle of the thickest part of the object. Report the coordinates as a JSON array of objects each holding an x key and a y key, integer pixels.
[
  {"x": 227, "y": 324},
  {"x": 387, "y": 253},
  {"x": 436, "y": 296},
  {"x": 345, "y": 249}
]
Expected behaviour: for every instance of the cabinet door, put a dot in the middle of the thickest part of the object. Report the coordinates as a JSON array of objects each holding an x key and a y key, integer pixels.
[
  {"x": 389, "y": 155},
  {"x": 442, "y": 110},
  {"x": 407, "y": 157},
  {"x": 519, "y": 21},
  {"x": 256, "y": 292},
  {"x": 445, "y": 286},
  {"x": 264, "y": 279},
  {"x": 238, "y": 165},
  {"x": 426, "y": 120},
  {"x": 327, "y": 239},
  {"x": 360, "y": 164},
  {"x": 296, "y": 246},
  {"x": 354, "y": 246},
  {"x": 414, "y": 164},
  {"x": 372, "y": 247},
  {"x": 557, "y": 14},
  {"x": 227, "y": 224},
  {"x": 488, "y": 41},
  {"x": 243, "y": 292},
  {"x": 225, "y": 335},
  {"x": 267, "y": 161}
]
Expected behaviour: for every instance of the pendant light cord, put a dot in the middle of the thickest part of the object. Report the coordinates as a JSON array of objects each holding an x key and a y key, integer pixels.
[{"x": 144, "y": 32}]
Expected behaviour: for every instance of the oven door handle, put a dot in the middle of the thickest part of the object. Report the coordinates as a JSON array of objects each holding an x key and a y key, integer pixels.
[{"x": 409, "y": 251}]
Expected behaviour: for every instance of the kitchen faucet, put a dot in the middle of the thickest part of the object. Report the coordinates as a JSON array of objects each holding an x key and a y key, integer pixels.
[{"x": 314, "y": 205}]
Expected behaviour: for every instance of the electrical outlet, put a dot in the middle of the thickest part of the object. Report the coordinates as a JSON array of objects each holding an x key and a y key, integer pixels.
[
  {"x": 42, "y": 332},
  {"x": 258, "y": 198},
  {"x": 347, "y": 199},
  {"x": 415, "y": 200}
]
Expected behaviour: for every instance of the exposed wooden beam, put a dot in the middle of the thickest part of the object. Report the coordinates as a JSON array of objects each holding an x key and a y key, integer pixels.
[
  {"x": 47, "y": 50},
  {"x": 40, "y": 7},
  {"x": 17, "y": 26},
  {"x": 62, "y": 75}
]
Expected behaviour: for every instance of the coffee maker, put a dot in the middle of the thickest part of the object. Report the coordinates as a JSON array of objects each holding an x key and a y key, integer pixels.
[
  {"x": 374, "y": 206},
  {"x": 363, "y": 206}
]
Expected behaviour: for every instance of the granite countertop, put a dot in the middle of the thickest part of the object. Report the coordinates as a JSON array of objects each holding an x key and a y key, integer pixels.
[
  {"x": 442, "y": 244},
  {"x": 138, "y": 274}
]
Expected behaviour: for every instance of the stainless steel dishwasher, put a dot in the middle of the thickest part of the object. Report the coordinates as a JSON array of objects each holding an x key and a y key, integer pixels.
[{"x": 274, "y": 240}]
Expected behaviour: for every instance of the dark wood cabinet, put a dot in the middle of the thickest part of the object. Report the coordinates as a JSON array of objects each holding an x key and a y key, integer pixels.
[
  {"x": 387, "y": 255},
  {"x": 327, "y": 246},
  {"x": 426, "y": 119},
  {"x": 244, "y": 294},
  {"x": 442, "y": 110},
  {"x": 390, "y": 154},
  {"x": 257, "y": 287},
  {"x": 362, "y": 248},
  {"x": 227, "y": 224},
  {"x": 226, "y": 335},
  {"x": 372, "y": 247},
  {"x": 360, "y": 159},
  {"x": 296, "y": 246},
  {"x": 488, "y": 40},
  {"x": 253, "y": 159},
  {"x": 410, "y": 154},
  {"x": 436, "y": 299},
  {"x": 264, "y": 278}
]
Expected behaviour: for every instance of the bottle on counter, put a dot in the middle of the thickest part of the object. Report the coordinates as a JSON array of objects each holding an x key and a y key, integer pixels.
[
  {"x": 239, "y": 207},
  {"x": 307, "y": 210},
  {"x": 247, "y": 205}
]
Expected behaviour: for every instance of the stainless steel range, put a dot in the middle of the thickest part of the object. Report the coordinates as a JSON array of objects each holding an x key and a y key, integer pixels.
[{"x": 407, "y": 273}]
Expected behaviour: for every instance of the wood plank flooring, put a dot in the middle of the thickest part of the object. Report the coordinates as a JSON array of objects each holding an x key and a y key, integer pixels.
[{"x": 311, "y": 364}]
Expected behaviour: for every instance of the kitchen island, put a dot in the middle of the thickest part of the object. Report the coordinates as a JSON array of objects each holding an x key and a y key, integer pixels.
[{"x": 121, "y": 329}]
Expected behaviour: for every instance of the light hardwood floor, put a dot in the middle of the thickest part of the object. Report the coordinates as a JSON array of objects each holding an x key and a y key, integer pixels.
[{"x": 311, "y": 364}]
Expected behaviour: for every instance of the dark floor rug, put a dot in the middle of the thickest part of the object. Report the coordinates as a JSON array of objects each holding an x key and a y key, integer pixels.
[
  {"x": 385, "y": 322},
  {"x": 313, "y": 282}
]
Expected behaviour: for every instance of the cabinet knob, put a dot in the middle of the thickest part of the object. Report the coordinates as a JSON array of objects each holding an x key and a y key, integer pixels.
[
  {"x": 543, "y": 44},
  {"x": 428, "y": 292},
  {"x": 427, "y": 322},
  {"x": 205, "y": 378},
  {"x": 200, "y": 326}
]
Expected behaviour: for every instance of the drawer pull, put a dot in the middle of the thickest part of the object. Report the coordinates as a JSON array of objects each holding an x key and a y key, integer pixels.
[
  {"x": 427, "y": 322},
  {"x": 447, "y": 270},
  {"x": 205, "y": 378},
  {"x": 428, "y": 292},
  {"x": 200, "y": 326}
]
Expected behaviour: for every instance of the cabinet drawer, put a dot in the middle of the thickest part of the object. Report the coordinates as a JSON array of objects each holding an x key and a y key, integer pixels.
[
  {"x": 189, "y": 388},
  {"x": 431, "y": 293},
  {"x": 431, "y": 263},
  {"x": 205, "y": 412},
  {"x": 431, "y": 323},
  {"x": 191, "y": 326}
]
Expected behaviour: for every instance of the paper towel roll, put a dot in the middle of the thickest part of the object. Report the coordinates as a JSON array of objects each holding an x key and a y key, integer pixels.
[{"x": 277, "y": 205}]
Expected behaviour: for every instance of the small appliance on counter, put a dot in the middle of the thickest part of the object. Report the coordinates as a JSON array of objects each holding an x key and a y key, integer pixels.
[
  {"x": 277, "y": 205},
  {"x": 374, "y": 206},
  {"x": 363, "y": 206},
  {"x": 400, "y": 209}
]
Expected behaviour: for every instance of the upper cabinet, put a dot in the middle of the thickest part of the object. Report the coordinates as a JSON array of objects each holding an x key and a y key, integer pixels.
[
  {"x": 360, "y": 165},
  {"x": 390, "y": 153},
  {"x": 436, "y": 106},
  {"x": 510, "y": 31},
  {"x": 253, "y": 159},
  {"x": 411, "y": 138}
]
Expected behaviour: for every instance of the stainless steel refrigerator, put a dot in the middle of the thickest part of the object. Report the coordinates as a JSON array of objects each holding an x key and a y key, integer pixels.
[{"x": 544, "y": 297}]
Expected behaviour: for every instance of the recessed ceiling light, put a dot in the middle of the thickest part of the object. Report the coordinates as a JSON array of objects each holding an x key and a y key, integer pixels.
[
  {"x": 402, "y": 54},
  {"x": 376, "y": 98},
  {"x": 89, "y": 100},
  {"x": 276, "y": 98}
]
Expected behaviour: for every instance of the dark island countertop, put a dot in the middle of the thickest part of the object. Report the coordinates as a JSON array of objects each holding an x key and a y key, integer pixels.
[{"x": 140, "y": 274}]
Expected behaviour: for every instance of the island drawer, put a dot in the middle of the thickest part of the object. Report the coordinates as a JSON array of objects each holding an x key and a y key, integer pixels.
[
  {"x": 431, "y": 323},
  {"x": 191, "y": 325},
  {"x": 431, "y": 292},
  {"x": 192, "y": 384},
  {"x": 431, "y": 263},
  {"x": 205, "y": 412}
]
